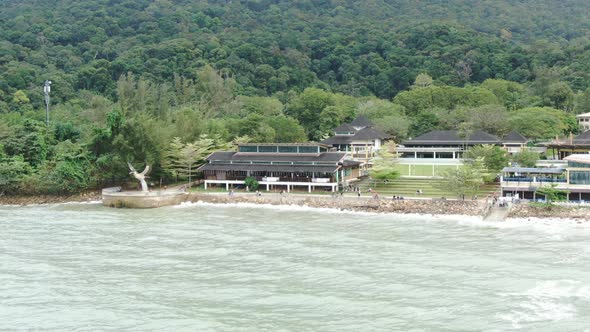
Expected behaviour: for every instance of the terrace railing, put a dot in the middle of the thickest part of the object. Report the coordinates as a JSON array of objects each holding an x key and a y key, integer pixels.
[
  {"x": 533, "y": 179},
  {"x": 284, "y": 179}
]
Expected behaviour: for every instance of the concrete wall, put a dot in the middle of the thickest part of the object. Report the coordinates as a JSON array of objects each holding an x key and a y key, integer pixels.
[{"x": 111, "y": 197}]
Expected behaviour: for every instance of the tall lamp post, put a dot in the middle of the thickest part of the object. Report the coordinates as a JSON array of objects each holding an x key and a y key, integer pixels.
[{"x": 46, "y": 90}]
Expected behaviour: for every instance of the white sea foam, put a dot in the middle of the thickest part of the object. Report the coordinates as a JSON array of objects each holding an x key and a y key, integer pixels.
[
  {"x": 53, "y": 204},
  {"x": 539, "y": 223},
  {"x": 304, "y": 208},
  {"x": 80, "y": 202},
  {"x": 277, "y": 207},
  {"x": 10, "y": 205},
  {"x": 547, "y": 301},
  {"x": 546, "y": 224},
  {"x": 549, "y": 221}
]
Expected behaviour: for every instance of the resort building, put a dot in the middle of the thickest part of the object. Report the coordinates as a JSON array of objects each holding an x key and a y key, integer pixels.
[
  {"x": 584, "y": 120},
  {"x": 360, "y": 139},
  {"x": 573, "y": 177},
  {"x": 285, "y": 166},
  {"x": 444, "y": 144},
  {"x": 514, "y": 142},
  {"x": 564, "y": 147},
  {"x": 430, "y": 154}
]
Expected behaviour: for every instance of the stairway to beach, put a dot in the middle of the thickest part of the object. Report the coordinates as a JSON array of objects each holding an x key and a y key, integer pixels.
[{"x": 498, "y": 213}]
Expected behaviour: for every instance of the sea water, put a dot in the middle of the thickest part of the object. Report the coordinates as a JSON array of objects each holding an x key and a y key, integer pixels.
[{"x": 203, "y": 267}]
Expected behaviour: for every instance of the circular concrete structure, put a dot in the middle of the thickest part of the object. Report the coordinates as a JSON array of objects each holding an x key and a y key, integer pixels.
[{"x": 114, "y": 197}]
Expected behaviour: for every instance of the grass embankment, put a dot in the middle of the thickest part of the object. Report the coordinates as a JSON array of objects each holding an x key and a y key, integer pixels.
[
  {"x": 423, "y": 170},
  {"x": 407, "y": 187}
]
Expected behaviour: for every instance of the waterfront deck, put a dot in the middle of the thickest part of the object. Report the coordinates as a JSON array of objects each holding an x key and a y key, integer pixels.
[{"x": 289, "y": 185}]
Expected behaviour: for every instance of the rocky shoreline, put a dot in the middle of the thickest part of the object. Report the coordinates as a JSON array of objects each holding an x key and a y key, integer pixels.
[
  {"x": 50, "y": 199},
  {"x": 347, "y": 203},
  {"x": 578, "y": 213}
]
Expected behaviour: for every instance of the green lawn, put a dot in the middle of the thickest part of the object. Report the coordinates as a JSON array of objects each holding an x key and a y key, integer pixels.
[
  {"x": 407, "y": 187},
  {"x": 422, "y": 170}
]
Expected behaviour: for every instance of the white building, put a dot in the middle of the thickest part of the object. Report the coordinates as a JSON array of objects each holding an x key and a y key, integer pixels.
[
  {"x": 360, "y": 139},
  {"x": 584, "y": 120}
]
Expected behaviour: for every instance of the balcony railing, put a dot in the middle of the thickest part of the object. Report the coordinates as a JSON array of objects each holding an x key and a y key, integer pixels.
[
  {"x": 536, "y": 180},
  {"x": 360, "y": 154},
  {"x": 518, "y": 149},
  {"x": 284, "y": 179}
]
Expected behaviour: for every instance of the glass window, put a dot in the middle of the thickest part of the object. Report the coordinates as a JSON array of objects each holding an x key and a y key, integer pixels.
[
  {"x": 579, "y": 177},
  {"x": 429, "y": 155},
  {"x": 288, "y": 149},
  {"x": 445, "y": 155},
  {"x": 267, "y": 148},
  {"x": 578, "y": 165},
  {"x": 308, "y": 149},
  {"x": 247, "y": 148}
]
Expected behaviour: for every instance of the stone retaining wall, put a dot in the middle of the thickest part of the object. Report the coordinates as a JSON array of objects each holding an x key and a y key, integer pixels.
[
  {"x": 50, "y": 199},
  {"x": 558, "y": 212},
  {"x": 368, "y": 204}
]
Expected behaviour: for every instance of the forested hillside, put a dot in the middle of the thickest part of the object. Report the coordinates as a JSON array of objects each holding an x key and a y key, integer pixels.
[
  {"x": 130, "y": 76},
  {"x": 355, "y": 47}
]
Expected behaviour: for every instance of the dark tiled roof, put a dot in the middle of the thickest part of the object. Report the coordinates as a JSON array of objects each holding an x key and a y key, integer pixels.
[
  {"x": 338, "y": 139},
  {"x": 451, "y": 137},
  {"x": 361, "y": 121},
  {"x": 345, "y": 127},
  {"x": 514, "y": 137},
  {"x": 583, "y": 138},
  {"x": 247, "y": 156},
  {"x": 369, "y": 133},
  {"x": 580, "y": 141},
  {"x": 269, "y": 168},
  {"x": 348, "y": 163},
  {"x": 366, "y": 134}
]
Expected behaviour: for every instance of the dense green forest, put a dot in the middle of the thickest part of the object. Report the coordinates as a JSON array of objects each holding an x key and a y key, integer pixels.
[{"x": 165, "y": 81}]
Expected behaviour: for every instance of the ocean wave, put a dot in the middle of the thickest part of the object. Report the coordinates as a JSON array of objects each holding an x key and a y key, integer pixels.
[
  {"x": 556, "y": 227},
  {"x": 276, "y": 207},
  {"x": 53, "y": 204},
  {"x": 79, "y": 203},
  {"x": 545, "y": 302}
]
